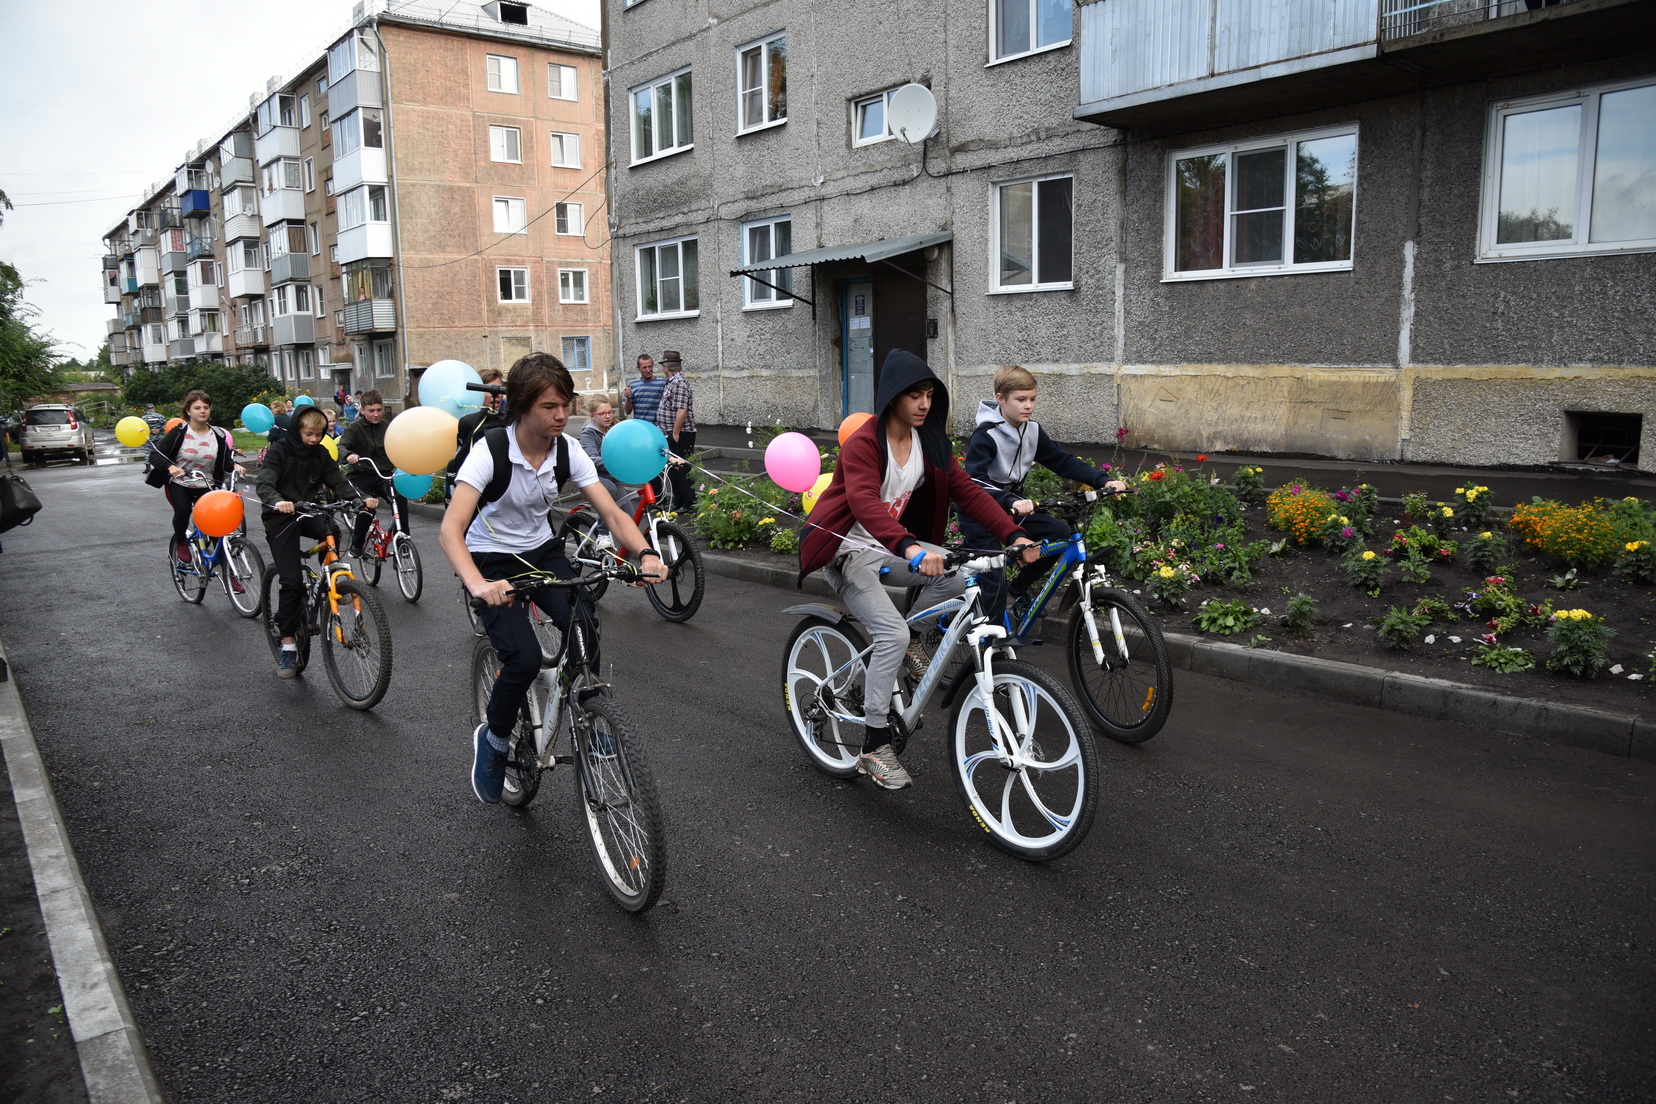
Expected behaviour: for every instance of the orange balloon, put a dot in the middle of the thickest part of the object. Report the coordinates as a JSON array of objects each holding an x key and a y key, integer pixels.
[
  {"x": 851, "y": 424},
  {"x": 218, "y": 513},
  {"x": 172, "y": 424}
]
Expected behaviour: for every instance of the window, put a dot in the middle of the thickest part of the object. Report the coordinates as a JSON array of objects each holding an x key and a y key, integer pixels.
[
  {"x": 514, "y": 284},
  {"x": 274, "y": 112},
  {"x": 572, "y": 286},
  {"x": 360, "y": 129},
  {"x": 569, "y": 218},
  {"x": 502, "y": 73},
  {"x": 661, "y": 117},
  {"x": 560, "y": 81},
  {"x": 319, "y": 307},
  {"x": 761, "y": 241},
  {"x": 304, "y": 109},
  {"x": 668, "y": 284},
  {"x": 363, "y": 205},
  {"x": 1271, "y": 206},
  {"x": 868, "y": 120},
  {"x": 322, "y": 90},
  {"x": 1569, "y": 174},
  {"x": 1032, "y": 226},
  {"x": 303, "y": 358},
  {"x": 1019, "y": 27},
  {"x": 315, "y": 240},
  {"x": 282, "y": 173},
  {"x": 310, "y": 174},
  {"x": 762, "y": 84},
  {"x": 577, "y": 354},
  {"x": 566, "y": 150},
  {"x": 355, "y": 51},
  {"x": 385, "y": 361},
  {"x": 505, "y": 144},
  {"x": 511, "y": 216},
  {"x": 325, "y": 130}
]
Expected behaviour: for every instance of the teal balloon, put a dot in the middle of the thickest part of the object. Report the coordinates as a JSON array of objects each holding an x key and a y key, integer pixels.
[
  {"x": 257, "y": 417},
  {"x": 411, "y": 486},
  {"x": 634, "y": 451},
  {"x": 443, "y": 385},
  {"x": 304, "y": 400}
]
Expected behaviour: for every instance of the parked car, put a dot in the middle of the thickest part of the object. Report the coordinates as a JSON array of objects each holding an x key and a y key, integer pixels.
[{"x": 53, "y": 429}]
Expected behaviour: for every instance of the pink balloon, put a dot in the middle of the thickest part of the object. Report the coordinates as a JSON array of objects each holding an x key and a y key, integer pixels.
[{"x": 793, "y": 462}]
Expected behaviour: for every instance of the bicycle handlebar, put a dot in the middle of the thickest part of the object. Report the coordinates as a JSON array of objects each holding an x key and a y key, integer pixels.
[
  {"x": 369, "y": 460},
  {"x": 526, "y": 584},
  {"x": 491, "y": 388}
]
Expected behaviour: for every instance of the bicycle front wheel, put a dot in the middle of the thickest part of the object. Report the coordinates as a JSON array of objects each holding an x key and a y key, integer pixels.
[
  {"x": 243, "y": 568},
  {"x": 522, "y": 774},
  {"x": 1129, "y": 695},
  {"x": 356, "y": 646},
  {"x": 822, "y": 679},
  {"x": 190, "y": 579},
  {"x": 406, "y": 558},
  {"x": 270, "y": 590},
  {"x": 1035, "y": 791},
  {"x": 617, "y": 793},
  {"x": 680, "y": 596},
  {"x": 580, "y": 532}
]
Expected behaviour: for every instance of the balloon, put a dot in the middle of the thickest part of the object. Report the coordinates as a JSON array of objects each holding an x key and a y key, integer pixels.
[
  {"x": 792, "y": 461},
  {"x": 303, "y": 400},
  {"x": 852, "y": 423},
  {"x": 411, "y": 486},
  {"x": 257, "y": 417},
  {"x": 422, "y": 439},
  {"x": 218, "y": 513},
  {"x": 443, "y": 385},
  {"x": 808, "y": 500},
  {"x": 331, "y": 445},
  {"x": 131, "y": 431},
  {"x": 634, "y": 451},
  {"x": 172, "y": 424}
]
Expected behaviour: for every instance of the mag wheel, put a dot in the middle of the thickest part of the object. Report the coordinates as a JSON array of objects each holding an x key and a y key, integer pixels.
[
  {"x": 356, "y": 646},
  {"x": 270, "y": 590},
  {"x": 822, "y": 689},
  {"x": 618, "y": 795},
  {"x": 1035, "y": 790},
  {"x": 580, "y": 533},
  {"x": 244, "y": 568},
  {"x": 522, "y": 774},
  {"x": 680, "y": 596},
  {"x": 1129, "y": 695},
  {"x": 190, "y": 579},
  {"x": 406, "y": 558}
]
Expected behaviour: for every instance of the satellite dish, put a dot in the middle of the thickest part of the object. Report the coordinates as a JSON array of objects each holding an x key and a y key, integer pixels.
[{"x": 911, "y": 113}]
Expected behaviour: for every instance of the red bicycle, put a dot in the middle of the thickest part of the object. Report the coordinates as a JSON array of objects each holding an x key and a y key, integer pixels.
[
  {"x": 677, "y": 598},
  {"x": 394, "y": 544}
]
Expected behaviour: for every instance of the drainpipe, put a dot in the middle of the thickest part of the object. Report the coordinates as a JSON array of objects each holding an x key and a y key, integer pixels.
[
  {"x": 609, "y": 202},
  {"x": 401, "y": 287}
]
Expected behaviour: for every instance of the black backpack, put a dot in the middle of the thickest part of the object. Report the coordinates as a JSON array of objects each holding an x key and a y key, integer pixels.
[{"x": 495, "y": 438}]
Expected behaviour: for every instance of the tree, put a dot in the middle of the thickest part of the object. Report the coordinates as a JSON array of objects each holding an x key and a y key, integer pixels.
[
  {"x": 26, "y": 356},
  {"x": 231, "y": 386}
]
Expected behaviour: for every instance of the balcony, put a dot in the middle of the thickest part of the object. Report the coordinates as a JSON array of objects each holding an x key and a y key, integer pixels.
[
  {"x": 112, "y": 292},
  {"x": 120, "y": 358},
  {"x": 360, "y": 243},
  {"x": 234, "y": 171},
  {"x": 178, "y": 306},
  {"x": 253, "y": 335},
  {"x": 282, "y": 205},
  {"x": 289, "y": 268},
  {"x": 131, "y": 320},
  {"x": 143, "y": 236},
  {"x": 167, "y": 218},
  {"x": 149, "y": 314},
  {"x": 199, "y": 247},
  {"x": 129, "y": 285},
  {"x": 204, "y": 297},
  {"x": 155, "y": 352},
  {"x": 182, "y": 348},
  {"x": 358, "y": 88},
  {"x": 363, "y": 166},
  {"x": 1165, "y": 66},
  {"x": 173, "y": 260},
  {"x": 281, "y": 141},
  {"x": 111, "y": 262},
  {"x": 293, "y": 329},
  {"x": 209, "y": 343},
  {"x": 246, "y": 284},
  {"x": 114, "y": 326},
  {"x": 371, "y": 316},
  {"x": 196, "y": 203},
  {"x": 237, "y": 227}
]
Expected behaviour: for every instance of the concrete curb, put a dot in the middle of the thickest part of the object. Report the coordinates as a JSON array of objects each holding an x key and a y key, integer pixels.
[
  {"x": 1620, "y": 734},
  {"x": 113, "y": 1061}
]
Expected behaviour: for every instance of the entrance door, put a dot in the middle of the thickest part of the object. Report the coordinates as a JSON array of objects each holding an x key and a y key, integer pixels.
[{"x": 857, "y": 330}]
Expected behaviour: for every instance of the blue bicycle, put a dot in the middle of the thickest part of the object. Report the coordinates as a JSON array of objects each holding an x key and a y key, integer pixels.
[{"x": 233, "y": 560}]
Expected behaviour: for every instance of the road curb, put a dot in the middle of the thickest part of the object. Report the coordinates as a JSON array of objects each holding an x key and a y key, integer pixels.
[
  {"x": 1621, "y": 734},
  {"x": 113, "y": 1061}
]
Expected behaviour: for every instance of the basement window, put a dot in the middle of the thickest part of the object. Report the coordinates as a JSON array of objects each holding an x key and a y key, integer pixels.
[{"x": 1591, "y": 437}]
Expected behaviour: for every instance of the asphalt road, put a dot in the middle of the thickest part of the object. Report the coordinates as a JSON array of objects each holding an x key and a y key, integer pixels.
[{"x": 1283, "y": 900}]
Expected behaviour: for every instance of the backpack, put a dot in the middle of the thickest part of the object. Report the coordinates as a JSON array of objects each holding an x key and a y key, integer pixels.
[{"x": 495, "y": 438}]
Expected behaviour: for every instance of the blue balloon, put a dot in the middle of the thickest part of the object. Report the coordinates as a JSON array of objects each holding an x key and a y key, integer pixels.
[
  {"x": 443, "y": 385},
  {"x": 411, "y": 486},
  {"x": 257, "y": 417},
  {"x": 304, "y": 400},
  {"x": 635, "y": 451}
]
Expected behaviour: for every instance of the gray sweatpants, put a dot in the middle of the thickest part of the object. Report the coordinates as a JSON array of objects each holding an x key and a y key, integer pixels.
[{"x": 855, "y": 577}]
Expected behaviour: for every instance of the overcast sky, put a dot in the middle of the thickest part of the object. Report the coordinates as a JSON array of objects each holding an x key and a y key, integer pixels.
[{"x": 103, "y": 99}]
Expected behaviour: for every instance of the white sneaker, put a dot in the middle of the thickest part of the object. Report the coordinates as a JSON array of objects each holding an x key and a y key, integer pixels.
[{"x": 882, "y": 766}]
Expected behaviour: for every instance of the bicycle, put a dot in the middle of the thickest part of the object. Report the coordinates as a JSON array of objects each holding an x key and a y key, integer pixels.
[
  {"x": 1125, "y": 680},
  {"x": 356, "y": 638},
  {"x": 613, "y": 781},
  {"x": 1020, "y": 751},
  {"x": 676, "y": 599},
  {"x": 545, "y": 628},
  {"x": 232, "y": 559},
  {"x": 396, "y": 545}
]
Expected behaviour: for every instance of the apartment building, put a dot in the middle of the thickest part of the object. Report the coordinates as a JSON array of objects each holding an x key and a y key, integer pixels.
[
  {"x": 1369, "y": 229},
  {"x": 426, "y": 188}
]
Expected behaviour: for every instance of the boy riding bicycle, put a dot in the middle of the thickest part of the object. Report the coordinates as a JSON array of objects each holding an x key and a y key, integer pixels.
[
  {"x": 364, "y": 441},
  {"x": 497, "y": 527},
  {"x": 890, "y": 497}
]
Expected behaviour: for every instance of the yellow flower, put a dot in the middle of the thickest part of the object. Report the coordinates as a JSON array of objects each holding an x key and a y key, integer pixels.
[
  {"x": 1345, "y": 521},
  {"x": 1166, "y": 572},
  {"x": 1447, "y": 512},
  {"x": 1634, "y": 546},
  {"x": 1368, "y": 555},
  {"x": 1486, "y": 535},
  {"x": 1460, "y": 490},
  {"x": 767, "y": 521}
]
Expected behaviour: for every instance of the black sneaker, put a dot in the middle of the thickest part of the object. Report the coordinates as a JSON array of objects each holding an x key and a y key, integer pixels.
[{"x": 488, "y": 774}]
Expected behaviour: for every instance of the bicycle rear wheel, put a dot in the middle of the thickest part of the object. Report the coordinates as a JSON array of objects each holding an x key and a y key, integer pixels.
[
  {"x": 190, "y": 579},
  {"x": 1129, "y": 695},
  {"x": 1036, "y": 793},
  {"x": 522, "y": 775},
  {"x": 680, "y": 596},
  {"x": 406, "y": 558},
  {"x": 269, "y": 602},
  {"x": 243, "y": 566},
  {"x": 371, "y": 562},
  {"x": 583, "y": 529},
  {"x": 356, "y": 646},
  {"x": 822, "y": 678},
  {"x": 617, "y": 793}
]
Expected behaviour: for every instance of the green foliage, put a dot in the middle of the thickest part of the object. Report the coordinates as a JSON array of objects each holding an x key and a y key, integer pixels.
[
  {"x": 1414, "y": 506},
  {"x": 434, "y": 496},
  {"x": 1226, "y": 617},
  {"x": 1436, "y": 611},
  {"x": 1579, "y": 640},
  {"x": 232, "y": 386},
  {"x": 1170, "y": 583},
  {"x": 743, "y": 510},
  {"x": 1591, "y": 535},
  {"x": 1248, "y": 485},
  {"x": 1301, "y": 615},
  {"x": 1414, "y": 569},
  {"x": 1502, "y": 659},
  {"x": 1489, "y": 553},
  {"x": 1365, "y": 569},
  {"x": 1566, "y": 581},
  {"x": 1400, "y": 627},
  {"x": 1304, "y": 513},
  {"x": 1442, "y": 519},
  {"x": 784, "y": 540},
  {"x": 1637, "y": 563},
  {"x": 1474, "y": 506},
  {"x": 27, "y": 356}
]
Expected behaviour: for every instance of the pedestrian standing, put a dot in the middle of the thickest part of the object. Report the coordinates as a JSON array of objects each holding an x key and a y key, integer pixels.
[
  {"x": 676, "y": 418},
  {"x": 644, "y": 393}
]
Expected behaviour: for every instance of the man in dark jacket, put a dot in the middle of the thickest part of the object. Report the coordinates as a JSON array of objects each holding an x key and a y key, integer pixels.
[
  {"x": 362, "y": 441},
  {"x": 888, "y": 502}
]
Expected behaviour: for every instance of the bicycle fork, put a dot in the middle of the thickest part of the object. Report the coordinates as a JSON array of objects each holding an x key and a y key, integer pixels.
[{"x": 1090, "y": 619}]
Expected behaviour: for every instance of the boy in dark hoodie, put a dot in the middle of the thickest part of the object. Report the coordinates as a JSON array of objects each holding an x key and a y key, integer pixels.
[
  {"x": 889, "y": 502},
  {"x": 295, "y": 469},
  {"x": 1006, "y": 444}
]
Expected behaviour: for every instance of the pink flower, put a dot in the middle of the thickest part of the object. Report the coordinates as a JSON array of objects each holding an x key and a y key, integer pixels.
[
  {"x": 1492, "y": 623},
  {"x": 1347, "y": 533},
  {"x": 1104, "y": 468},
  {"x": 1488, "y": 638},
  {"x": 1295, "y": 489},
  {"x": 1219, "y": 547}
]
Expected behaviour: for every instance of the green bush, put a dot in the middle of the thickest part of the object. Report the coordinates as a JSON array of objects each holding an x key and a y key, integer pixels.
[
  {"x": 232, "y": 386},
  {"x": 1302, "y": 614},
  {"x": 1400, "y": 627},
  {"x": 1226, "y": 617},
  {"x": 743, "y": 510}
]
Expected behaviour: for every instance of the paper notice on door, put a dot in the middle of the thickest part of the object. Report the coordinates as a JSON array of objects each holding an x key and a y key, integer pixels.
[{"x": 863, "y": 323}]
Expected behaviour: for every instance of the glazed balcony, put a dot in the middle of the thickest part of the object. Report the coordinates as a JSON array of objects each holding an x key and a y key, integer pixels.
[
  {"x": 246, "y": 284},
  {"x": 241, "y": 226},
  {"x": 197, "y": 203},
  {"x": 182, "y": 348},
  {"x": 293, "y": 329},
  {"x": 289, "y": 268},
  {"x": 198, "y": 248},
  {"x": 278, "y": 141},
  {"x": 371, "y": 316}
]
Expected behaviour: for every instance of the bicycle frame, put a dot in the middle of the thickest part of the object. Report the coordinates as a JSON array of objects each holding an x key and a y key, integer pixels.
[
  {"x": 378, "y": 536},
  {"x": 333, "y": 568},
  {"x": 641, "y": 513},
  {"x": 1072, "y": 565},
  {"x": 558, "y": 684}
]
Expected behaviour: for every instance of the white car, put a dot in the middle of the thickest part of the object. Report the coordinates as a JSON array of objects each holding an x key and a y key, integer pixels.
[{"x": 53, "y": 429}]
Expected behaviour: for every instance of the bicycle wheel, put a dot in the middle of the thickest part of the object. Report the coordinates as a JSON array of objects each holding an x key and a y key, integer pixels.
[
  {"x": 244, "y": 566},
  {"x": 1129, "y": 695},
  {"x": 269, "y": 601},
  {"x": 617, "y": 793},
  {"x": 371, "y": 562},
  {"x": 356, "y": 646},
  {"x": 1039, "y": 799},
  {"x": 406, "y": 558},
  {"x": 680, "y": 596},
  {"x": 522, "y": 775},
  {"x": 583, "y": 529},
  {"x": 190, "y": 579},
  {"x": 822, "y": 678}
]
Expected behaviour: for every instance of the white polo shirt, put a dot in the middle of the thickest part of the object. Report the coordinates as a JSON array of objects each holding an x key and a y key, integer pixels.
[{"x": 517, "y": 521}]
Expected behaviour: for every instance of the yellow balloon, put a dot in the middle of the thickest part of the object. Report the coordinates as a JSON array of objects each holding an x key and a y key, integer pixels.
[
  {"x": 132, "y": 432},
  {"x": 808, "y": 500},
  {"x": 422, "y": 439},
  {"x": 332, "y": 446}
]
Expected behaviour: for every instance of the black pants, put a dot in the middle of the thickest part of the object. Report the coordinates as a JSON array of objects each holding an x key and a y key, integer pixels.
[
  {"x": 511, "y": 633},
  {"x": 1038, "y": 527},
  {"x": 372, "y": 486},
  {"x": 285, "y": 533},
  {"x": 684, "y": 489},
  {"x": 183, "y": 501}
]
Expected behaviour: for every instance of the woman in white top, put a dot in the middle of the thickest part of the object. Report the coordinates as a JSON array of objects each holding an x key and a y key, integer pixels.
[{"x": 195, "y": 446}]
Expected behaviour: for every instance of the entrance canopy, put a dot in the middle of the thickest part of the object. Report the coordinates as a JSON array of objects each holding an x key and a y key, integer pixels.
[{"x": 870, "y": 252}]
